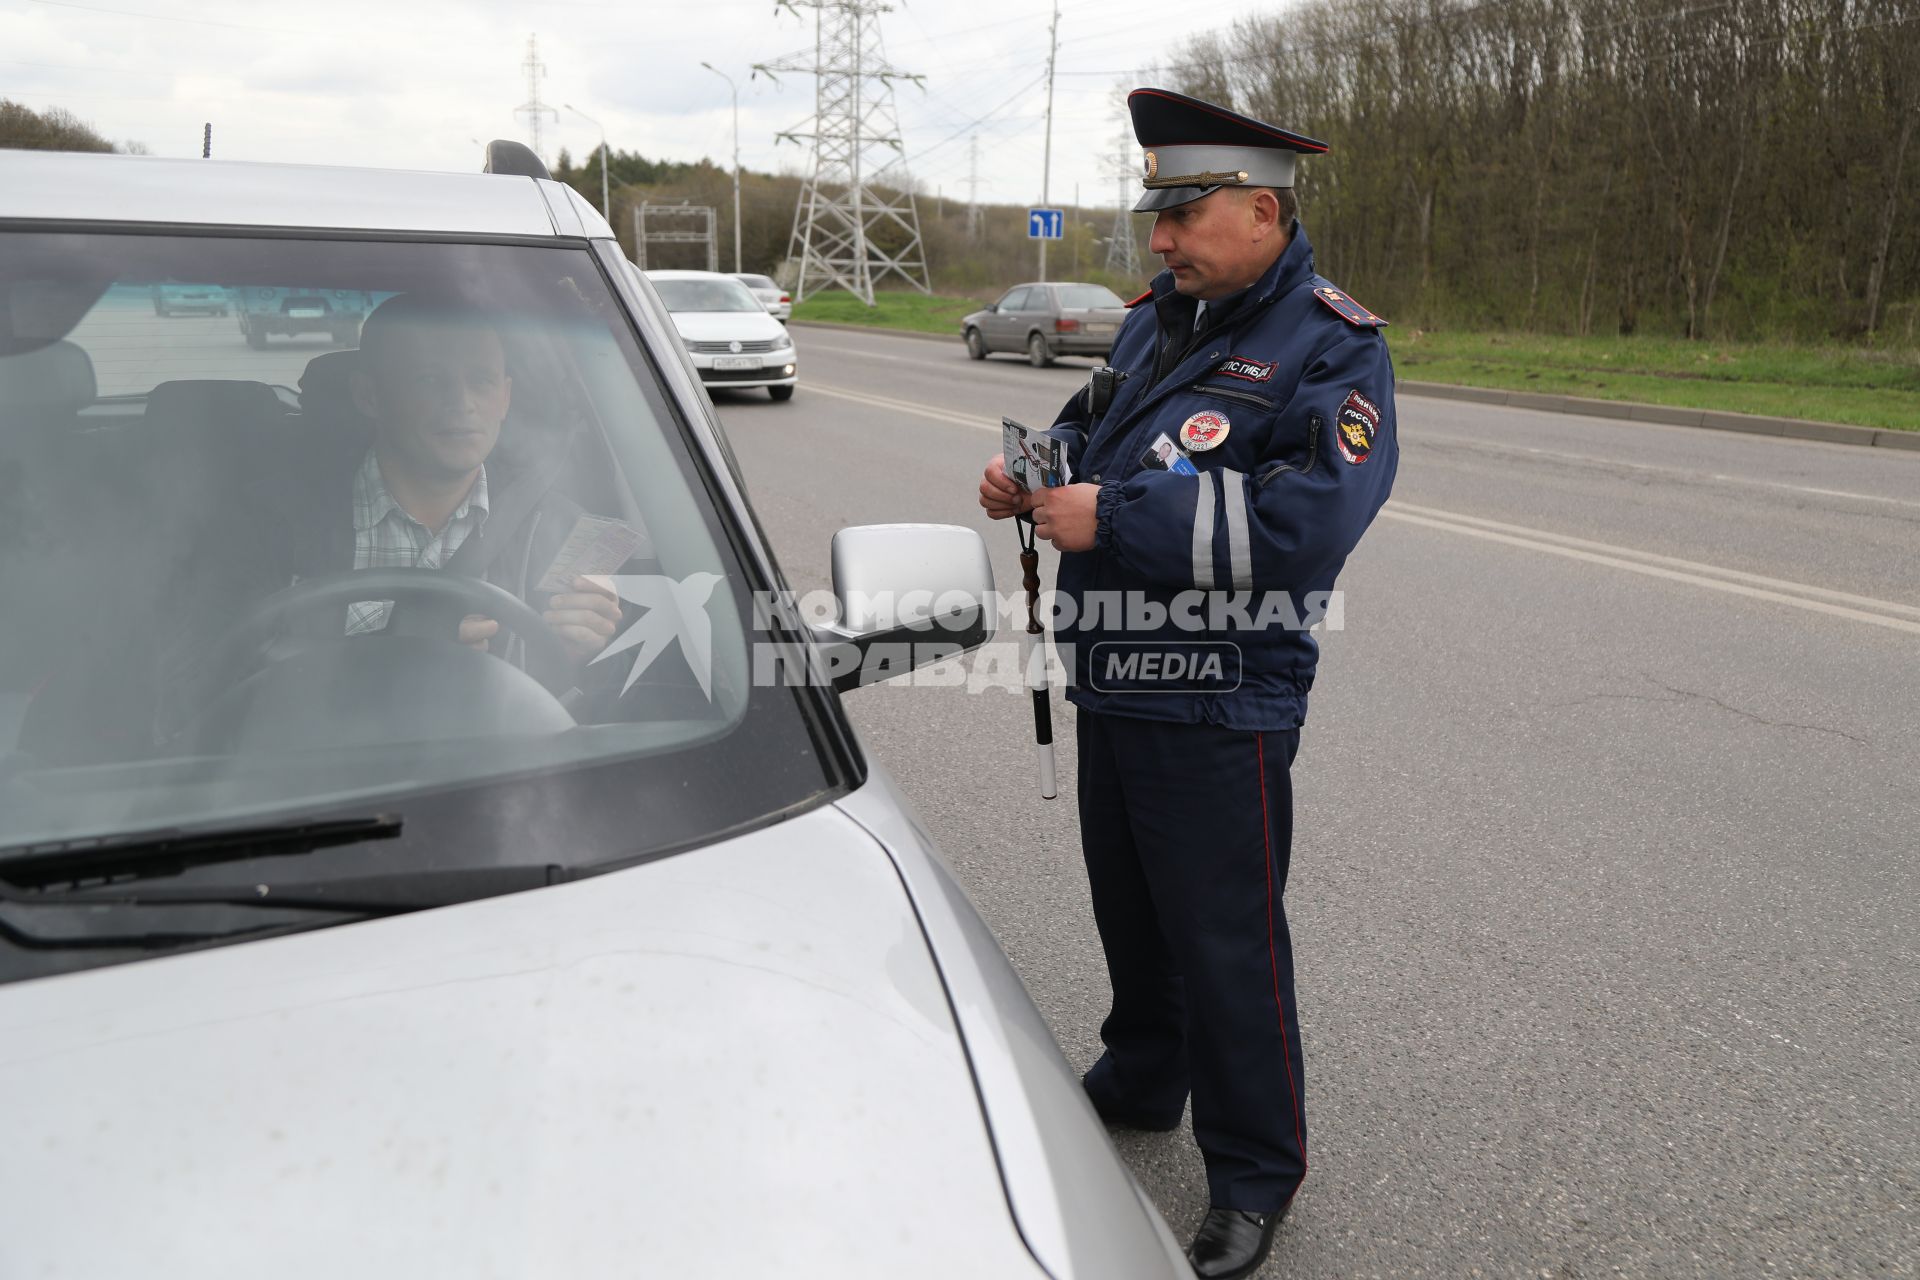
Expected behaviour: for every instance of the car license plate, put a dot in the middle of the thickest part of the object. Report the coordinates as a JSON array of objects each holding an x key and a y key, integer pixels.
[
  {"x": 305, "y": 313},
  {"x": 736, "y": 362},
  {"x": 1099, "y": 328}
]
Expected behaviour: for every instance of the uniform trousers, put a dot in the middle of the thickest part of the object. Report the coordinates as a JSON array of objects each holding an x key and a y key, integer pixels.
[{"x": 1186, "y": 830}]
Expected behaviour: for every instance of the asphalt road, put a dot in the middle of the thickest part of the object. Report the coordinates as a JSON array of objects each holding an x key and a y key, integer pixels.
[{"x": 1604, "y": 881}]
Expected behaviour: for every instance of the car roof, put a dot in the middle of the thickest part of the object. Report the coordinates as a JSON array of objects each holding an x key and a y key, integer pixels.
[
  {"x": 74, "y": 187},
  {"x": 677, "y": 274}
]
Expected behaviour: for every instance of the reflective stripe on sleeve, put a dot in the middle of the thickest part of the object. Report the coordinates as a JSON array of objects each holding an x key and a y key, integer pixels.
[
  {"x": 1239, "y": 542},
  {"x": 1203, "y": 533}
]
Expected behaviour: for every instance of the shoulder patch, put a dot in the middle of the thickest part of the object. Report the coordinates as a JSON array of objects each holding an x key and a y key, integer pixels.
[
  {"x": 1347, "y": 309},
  {"x": 1145, "y": 297}
]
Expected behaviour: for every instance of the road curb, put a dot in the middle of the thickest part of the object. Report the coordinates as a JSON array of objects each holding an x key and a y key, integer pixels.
[{"x": 1752, "y": 424}]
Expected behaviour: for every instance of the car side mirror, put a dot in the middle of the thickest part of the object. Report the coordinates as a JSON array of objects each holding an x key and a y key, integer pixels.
[{"x": 909, "y": 595}]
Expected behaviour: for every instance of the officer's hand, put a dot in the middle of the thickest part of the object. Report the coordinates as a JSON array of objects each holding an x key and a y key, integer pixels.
[
  {"x": 1065, "y": 516},
  {"x": 476, "y": 630},
  {"x": 999, "y": 494},
  {"x": 584, "y": 618}
]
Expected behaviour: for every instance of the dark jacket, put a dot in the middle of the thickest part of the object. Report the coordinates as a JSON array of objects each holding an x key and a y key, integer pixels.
[{"x": 1304, "y": 383}]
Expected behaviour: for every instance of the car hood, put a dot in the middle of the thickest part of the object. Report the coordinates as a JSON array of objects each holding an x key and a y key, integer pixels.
[
  {"x": 739, "y": 1058},
  {"x": 710, "y": 326}
]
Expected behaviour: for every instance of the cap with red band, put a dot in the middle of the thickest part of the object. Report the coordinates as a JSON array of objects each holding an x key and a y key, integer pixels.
[{"x": 1194, "y": 148}]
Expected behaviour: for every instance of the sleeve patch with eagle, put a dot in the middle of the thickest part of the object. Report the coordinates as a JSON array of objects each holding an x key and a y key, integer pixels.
[{"x": 1355, "y": 428}]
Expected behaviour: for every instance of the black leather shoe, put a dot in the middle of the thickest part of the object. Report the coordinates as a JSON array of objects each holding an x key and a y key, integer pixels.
[
  {"x": 1122, "y": 1119},
  {"x": 1232, "y": 1242}
]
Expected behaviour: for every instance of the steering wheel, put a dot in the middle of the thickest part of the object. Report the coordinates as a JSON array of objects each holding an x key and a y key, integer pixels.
[{"x": 427, "y": 603}]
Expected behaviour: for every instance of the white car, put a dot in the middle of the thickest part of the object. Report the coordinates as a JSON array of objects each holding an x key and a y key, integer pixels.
[
  {"x": 777, "y": 301},
  {"x": 381, "y": 955},
  {"x": 732, "y": 339}
]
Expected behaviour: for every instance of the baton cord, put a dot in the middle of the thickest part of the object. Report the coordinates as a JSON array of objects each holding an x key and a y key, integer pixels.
[{"x": 1036, "y": 658}]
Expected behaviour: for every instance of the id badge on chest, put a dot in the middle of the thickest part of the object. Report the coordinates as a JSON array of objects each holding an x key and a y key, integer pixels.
[{"x": 1164, "y": 455}]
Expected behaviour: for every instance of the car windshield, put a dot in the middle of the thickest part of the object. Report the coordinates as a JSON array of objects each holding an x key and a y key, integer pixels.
[
  {"x": 710, "y": 294},
  {"x": 301, "y": 526},
  {"x": 1086, "y": 297}
]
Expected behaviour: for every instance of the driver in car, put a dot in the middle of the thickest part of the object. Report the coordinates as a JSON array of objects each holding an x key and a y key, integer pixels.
[{"x": 432, "y": 378}]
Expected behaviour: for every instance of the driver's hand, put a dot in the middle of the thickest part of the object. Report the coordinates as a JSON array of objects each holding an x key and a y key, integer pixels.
[
  {"x": 584, "y": 618},
  {"x": 476, "y": 630}
]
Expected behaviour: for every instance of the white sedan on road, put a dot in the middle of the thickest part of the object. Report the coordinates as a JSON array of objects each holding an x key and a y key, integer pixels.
[
  {"x": 732, "y": 339},
  {"x": 777, "y": 301}
]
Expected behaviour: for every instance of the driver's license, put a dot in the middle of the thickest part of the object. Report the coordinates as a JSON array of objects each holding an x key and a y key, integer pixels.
[{"x": 598, "y": 544}]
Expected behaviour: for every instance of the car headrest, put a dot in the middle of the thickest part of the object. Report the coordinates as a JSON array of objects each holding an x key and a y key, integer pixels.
[
  {"x": 208, "y": 443},
  {"x": 56, "y": 378},
  {"x": 213, "y": 405},
  {"x": 327, "y": 409}
]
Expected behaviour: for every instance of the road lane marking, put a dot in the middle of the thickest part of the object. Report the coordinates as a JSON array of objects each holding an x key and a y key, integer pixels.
[
  {"x": 1005, "y": 370},
  {"x": 1539, "y": 540},
  {"x": 1671, "y": 562},
  {"x": 1482, "y": 446},
  {"x": 1800, "y": 595},
  {"x": 903, "y": 406}
]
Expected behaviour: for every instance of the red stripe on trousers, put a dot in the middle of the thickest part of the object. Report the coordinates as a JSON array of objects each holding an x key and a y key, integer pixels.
[{"x": 1273, "y": 953}]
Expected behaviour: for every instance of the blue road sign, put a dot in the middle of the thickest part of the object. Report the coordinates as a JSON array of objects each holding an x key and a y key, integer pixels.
[{"x": 1046, "y": 224}]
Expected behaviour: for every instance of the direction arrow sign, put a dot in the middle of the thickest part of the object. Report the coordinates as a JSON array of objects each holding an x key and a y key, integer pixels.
[{"x": 1046, "y": 224}]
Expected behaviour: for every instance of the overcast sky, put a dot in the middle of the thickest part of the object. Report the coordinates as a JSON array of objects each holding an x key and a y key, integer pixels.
[{"x": 412, "y": 85}]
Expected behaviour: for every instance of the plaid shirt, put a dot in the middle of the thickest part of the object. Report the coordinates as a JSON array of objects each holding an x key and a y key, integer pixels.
[{"x": 386, "y": 537}]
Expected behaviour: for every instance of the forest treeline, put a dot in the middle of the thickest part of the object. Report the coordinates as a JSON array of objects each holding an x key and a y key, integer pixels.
[
  {"x": 56, "y": 129},
  {"x": 1708, "y": 168},
  {"x": 978, "y": 257}
]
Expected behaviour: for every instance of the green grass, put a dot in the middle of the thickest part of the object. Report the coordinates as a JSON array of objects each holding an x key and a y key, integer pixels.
[
  {"x": 911, "y": 311},
  {"x": 1828, "y": 384}
]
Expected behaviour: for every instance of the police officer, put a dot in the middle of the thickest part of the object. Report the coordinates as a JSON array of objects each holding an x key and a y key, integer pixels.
[{"x": 1189, "y": 577}]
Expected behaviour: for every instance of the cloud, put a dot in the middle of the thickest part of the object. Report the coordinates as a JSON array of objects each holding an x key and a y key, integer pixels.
[{"x": 360, "y": 82}]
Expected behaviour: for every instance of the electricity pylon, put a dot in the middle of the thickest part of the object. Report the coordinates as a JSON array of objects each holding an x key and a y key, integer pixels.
[
  {"x": 856, "y": 220},
  {"x": 973, "y": 189},
  {"x": 1123, "y": 253},
  {"x": 536, "y": 111}
]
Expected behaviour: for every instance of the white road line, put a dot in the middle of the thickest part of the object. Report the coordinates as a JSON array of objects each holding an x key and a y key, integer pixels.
[
  {"x": 1422, "y": 436},
  {"x": 1692, "y": 567},
  {"x": 903, "y": 406},
  {"x": 1005, "y": 370},
  {"x": 1799, "y": 595},
  {"x": 1533, "y": 542}
]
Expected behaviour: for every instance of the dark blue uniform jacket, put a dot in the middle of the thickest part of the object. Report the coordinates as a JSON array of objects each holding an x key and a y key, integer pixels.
[{"x": 1309, "y": 456}]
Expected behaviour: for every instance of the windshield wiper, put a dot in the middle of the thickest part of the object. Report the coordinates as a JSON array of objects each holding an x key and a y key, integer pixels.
[
  {"x": 174, "y": 849},
  {"x": 386, "y": 894}
]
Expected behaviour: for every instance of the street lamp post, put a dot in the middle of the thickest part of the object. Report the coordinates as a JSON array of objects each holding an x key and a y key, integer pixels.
[
  {"x": 735, "y": 90},
  {"x": 606, "y": 205}
]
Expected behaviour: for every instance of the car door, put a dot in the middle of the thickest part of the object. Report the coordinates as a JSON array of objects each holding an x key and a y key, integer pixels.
[
  {"x": 1005, "y": 327},
  {"x": 1040, "y": 313}
]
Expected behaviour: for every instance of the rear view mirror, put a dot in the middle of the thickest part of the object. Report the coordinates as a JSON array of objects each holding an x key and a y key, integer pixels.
[{"x": 909, "y": 595}]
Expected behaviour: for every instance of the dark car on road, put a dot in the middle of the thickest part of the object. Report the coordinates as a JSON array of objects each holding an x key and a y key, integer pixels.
[
  {"x": 269, "y": 309},
  {"x": 1045, "y": 320}
]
